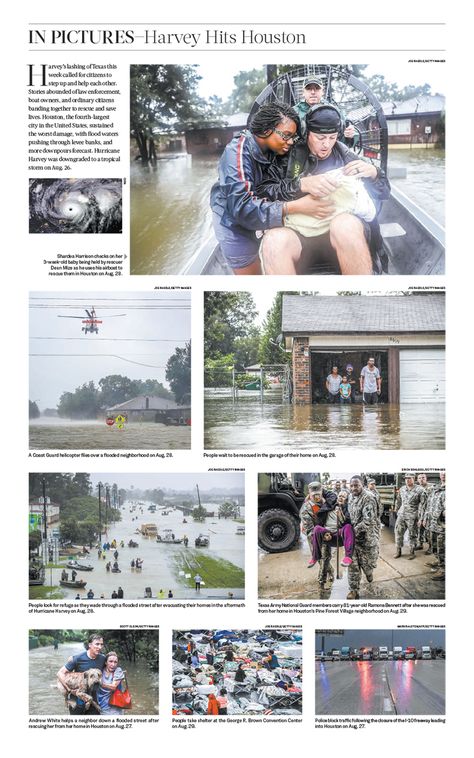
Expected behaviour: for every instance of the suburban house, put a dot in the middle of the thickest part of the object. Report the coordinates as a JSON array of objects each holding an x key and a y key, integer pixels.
[
  {"x": 416, "y": 122},
  {"x": 213, "y": 139},
  {"x": 404, "y": 333},
  {"x": 36, "y": 508},
  {"x": 151, "y": 408}
]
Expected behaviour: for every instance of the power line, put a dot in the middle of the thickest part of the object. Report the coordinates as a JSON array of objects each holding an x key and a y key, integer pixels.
[
  {"x": 112, "y": 339},
  {"x": 93, "y": 355}
]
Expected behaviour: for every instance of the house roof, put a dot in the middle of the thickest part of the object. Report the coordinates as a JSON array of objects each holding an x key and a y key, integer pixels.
[
  {"x": 303, "y": 314},
  {"x": 415, "y": 105},
  {"x": 236, "y": 119},
  {"x": 139, "y": 404}
]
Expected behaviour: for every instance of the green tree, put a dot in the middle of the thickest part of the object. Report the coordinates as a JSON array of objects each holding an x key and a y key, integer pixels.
[
  {"x": 164, "y": 99},
  {"x": 115, "y": 389},
  {"x": 247, "y": 85},
  {"x": 34, "y": 540},
  {"x": 228, "y": 316},
  {"x": 228, "y": 510},
  {"x": 84, "y": 402},
  {"x": 269, "y": 351},
  {"x": 178, "y": 373},
  {"x": 33, "y": 410},
  {"x": 199, "y": 513}
]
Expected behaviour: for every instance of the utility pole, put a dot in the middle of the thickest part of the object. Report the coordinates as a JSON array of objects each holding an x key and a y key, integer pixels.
[{"x": 100, "y": 515}]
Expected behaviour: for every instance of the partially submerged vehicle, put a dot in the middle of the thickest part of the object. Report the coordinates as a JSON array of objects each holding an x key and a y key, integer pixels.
[
  {"x": 413, "y": 242},
  {"x": 149, "y": 530},
  {"x": 168, "y": 537},
  {"x": 203, "y": 540}
]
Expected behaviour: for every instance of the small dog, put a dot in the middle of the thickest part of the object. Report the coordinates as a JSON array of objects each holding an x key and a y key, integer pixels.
[{"x": 79, "y": 684}]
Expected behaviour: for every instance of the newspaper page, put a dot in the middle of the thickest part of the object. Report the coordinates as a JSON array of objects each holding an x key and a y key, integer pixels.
[{"x": 231, "y": 271}]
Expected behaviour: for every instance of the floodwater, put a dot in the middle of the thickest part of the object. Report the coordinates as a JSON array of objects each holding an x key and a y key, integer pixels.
[
  {"x": 171, "y": 218},
  {"x": 425, "y": 182},
  {"x": 46, "y": 699},
  {"x": 389, "y": 688},
  {"x": 160, "y": 562},
  {"x": 67, "y": 434},
  {"x": 248, "y": 424},
  {"x": 170, "y": 213}
]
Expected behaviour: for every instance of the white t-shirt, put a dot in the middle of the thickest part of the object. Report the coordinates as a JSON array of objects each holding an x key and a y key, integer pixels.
[
  {"x": 370, "y": 378},
  {"x": 334, "y": 383}
]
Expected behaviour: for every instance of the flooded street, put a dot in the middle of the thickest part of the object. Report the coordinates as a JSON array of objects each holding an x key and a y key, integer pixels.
[
  {"x": 46, "y": 699},
  {"x": 248, "y": 424},
  {"x": 387, "y": 688},
  {"x": 170, "y": 213},
  {"x": 425, "y": 182},
  {"x": 67, "y": 434},
  {"x": 171, "y": 217},
  {"x": 164, "y": 565}
]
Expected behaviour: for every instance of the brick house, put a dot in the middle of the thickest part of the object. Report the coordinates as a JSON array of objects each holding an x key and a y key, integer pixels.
[{"x": 405, "y": 335}]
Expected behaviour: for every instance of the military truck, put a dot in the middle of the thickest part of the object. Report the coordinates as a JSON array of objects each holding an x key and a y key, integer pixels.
[{"x": 279, "y": 504}]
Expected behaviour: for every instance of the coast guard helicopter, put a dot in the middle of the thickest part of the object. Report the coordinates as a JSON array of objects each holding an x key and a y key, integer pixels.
[{"x": 91, "y": 323}]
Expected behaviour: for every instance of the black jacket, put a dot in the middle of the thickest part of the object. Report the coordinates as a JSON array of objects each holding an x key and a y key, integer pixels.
[{"x": 281, "y": 181}]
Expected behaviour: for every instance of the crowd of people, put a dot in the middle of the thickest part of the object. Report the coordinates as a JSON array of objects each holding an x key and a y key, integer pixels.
[
  {"x": 227, "y": 672},
  {"x": 349, "y": 516},
  {"x": 291, "y": 192}
]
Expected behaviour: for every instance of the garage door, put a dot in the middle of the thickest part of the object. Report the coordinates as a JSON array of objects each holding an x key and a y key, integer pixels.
[{"x": 422, "y": 376}]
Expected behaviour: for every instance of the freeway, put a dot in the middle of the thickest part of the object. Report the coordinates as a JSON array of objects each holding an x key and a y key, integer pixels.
[{"x": 380, "y": 688}]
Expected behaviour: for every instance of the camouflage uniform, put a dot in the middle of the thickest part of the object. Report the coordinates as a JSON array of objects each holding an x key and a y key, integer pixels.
[
  {"x": 437, "y": 523},
  {"x": 427, "y": 515},
  {"x": 308, "y": 522},
  {"x": 408, "y": 503},
  {"x": 378, "y": 502},
  {"x": 423, "y": 532},
  {"x": 363, "y": 513}
]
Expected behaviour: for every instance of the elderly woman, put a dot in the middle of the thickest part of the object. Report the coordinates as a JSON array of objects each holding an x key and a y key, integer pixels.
[{"x": 112, "y": 678}]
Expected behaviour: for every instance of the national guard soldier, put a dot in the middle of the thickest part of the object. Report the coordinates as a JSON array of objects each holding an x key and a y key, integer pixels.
[
  {"x": 438, "y": 527},
  {"x": 363, "y": 514},
  {"x": 311, "y": 506},
  {"x": 373, "y": 489},
  {"x": 422, "y": 481},
  {"x": 409, "y": 499}
]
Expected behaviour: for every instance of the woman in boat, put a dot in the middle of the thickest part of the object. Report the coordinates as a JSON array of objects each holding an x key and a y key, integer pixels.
[
  {"x": 237, "y": 213},
  {"x": 112, "y": 678}
]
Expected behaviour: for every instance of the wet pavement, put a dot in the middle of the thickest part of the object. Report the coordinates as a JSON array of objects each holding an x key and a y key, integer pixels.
[
  {"x": 162, "y": 563},
  {"x": 248, "y": 424},
  {"x": 286, "y": 576},
  {"x": 46, "y": 699},
  {"x": 66, "y": 434},
  {"x": 385, "y": 688}
]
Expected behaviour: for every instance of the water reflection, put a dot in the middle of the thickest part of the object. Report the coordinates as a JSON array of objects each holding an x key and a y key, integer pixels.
[{"x": 249, "y": 424}]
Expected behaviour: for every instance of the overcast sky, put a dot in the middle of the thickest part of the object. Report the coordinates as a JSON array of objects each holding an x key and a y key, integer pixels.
[
  {"x": 219, "y": 80},
  {"x": 136, "y": 345},
  {"x": 233, "y": 481}
]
